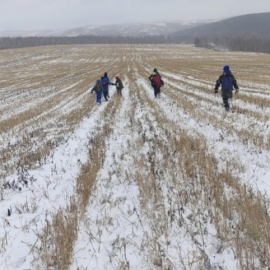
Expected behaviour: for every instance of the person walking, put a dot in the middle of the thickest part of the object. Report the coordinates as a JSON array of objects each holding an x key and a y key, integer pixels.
[
  {"x": 98, "y": 90},
  {"x": 105, "y": 84},
  {"x": 119, "y": 85},
  {"x": 156, "y": 82},
  {"x": 228, "y": 83}
]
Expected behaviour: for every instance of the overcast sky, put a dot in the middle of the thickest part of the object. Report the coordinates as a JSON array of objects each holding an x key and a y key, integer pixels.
[{"x": 64, "y": 14}]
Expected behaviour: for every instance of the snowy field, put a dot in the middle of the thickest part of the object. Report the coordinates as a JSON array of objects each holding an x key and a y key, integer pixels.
[{"x": 137, "y": 182}]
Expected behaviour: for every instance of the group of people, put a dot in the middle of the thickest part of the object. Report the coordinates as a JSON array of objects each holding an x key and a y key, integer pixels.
[
  {"x": 226, "y": 81},
  {"x": 101, "y": 87}
]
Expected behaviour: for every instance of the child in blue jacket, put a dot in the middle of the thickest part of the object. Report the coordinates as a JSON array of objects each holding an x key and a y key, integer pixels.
[
  {"x": 228, "y": 83},
  {"x": 98, "y": 89}
]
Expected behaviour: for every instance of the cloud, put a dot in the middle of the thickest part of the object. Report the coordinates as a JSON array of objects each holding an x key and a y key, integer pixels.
[{"x": 60, "y": 14}]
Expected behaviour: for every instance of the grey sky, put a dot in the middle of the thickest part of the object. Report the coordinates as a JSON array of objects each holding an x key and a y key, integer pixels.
[{"x": 30, "y": 15}]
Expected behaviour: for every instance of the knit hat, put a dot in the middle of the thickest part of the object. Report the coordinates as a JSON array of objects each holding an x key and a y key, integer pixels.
[{"x": 226, "y": 68}]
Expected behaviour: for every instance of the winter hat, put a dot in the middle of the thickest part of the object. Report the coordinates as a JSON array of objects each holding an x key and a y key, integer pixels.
[
  {"x": 117, "y": 77},
  {"x": 155, "y": 70},
  {"x": 226, "y": 68}
]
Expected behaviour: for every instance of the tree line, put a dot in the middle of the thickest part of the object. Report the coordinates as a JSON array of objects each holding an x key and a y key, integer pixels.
[
  {"x": 226, "y": 43},
  {"x": 20, "y": 42},
  {"x": 235, "y": 44}
]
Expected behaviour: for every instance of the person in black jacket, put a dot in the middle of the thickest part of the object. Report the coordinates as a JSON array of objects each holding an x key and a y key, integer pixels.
[
  {"x": 119, "y": 85},
  {"x": 228, "y": 83},
  {"x": 156, "y": 82}
]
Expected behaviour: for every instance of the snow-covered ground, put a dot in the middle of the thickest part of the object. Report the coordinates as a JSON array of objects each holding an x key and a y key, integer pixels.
[{"x": 168, "y": 183}]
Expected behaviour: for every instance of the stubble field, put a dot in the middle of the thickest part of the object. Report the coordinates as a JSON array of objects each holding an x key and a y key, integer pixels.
[{"x": 136, "y": 182}]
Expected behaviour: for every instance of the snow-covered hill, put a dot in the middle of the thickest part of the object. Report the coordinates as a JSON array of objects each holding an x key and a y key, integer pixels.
[{"x": 162, "y": 28}]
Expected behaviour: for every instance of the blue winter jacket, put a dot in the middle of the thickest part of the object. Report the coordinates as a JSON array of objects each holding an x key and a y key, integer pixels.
[
  {"x": 227, "y": 82},
  {"x": 106, "y": 81},
  {"x": 94, "y": 88}
]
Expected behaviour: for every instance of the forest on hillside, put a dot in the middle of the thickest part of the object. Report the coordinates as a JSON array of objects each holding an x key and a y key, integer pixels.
[
  {"x": 219, "y": 43},
  {"x": 235, "y": 44},
  {"x": 20, "y": 42}
]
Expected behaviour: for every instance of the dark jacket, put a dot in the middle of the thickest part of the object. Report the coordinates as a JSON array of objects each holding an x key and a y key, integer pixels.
[
  {"x": 227, "y": 82},
  {"x": 119, "y": 84}
]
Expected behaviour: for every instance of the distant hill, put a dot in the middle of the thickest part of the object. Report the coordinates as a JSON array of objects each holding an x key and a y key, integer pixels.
[
  {"x": 154, "y": 29},
  {"x": 251, "y": 25},
  {"x": 134, "y": 30}
]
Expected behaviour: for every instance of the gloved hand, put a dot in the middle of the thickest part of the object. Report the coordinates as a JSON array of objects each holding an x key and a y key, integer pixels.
[
  {"x": 216, "y": 91},
  {"x": 236, "y": 91}
]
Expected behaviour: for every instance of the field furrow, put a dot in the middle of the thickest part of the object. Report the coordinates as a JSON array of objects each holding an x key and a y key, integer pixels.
[{"x": 137, "y": 182}]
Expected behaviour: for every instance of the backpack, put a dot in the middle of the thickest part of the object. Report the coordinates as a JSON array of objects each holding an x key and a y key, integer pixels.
[
  {"x": 104, "y": 84},
  {"x": 157, "y": 81},
  {"x": 227, "y": 83},
  {"x": 98, "y": 88}
]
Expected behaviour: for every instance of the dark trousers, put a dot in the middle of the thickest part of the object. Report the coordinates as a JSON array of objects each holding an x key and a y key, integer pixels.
[
  {"x": 226, "y": 95},
  {"x": 157, "y": 91},
  {"x": 119, "y": 92},
  {"x": 106, "y": 95}
]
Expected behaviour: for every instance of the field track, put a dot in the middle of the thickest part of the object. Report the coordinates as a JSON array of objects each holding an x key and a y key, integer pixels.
[{"x": 136, "y": 182}]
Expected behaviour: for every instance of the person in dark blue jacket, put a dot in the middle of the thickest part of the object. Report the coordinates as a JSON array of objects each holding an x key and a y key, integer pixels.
[
  {"x": 228, "y": 83},
  {"x": 99, "y": 90},
  {"x": 105, "y": 81}
]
